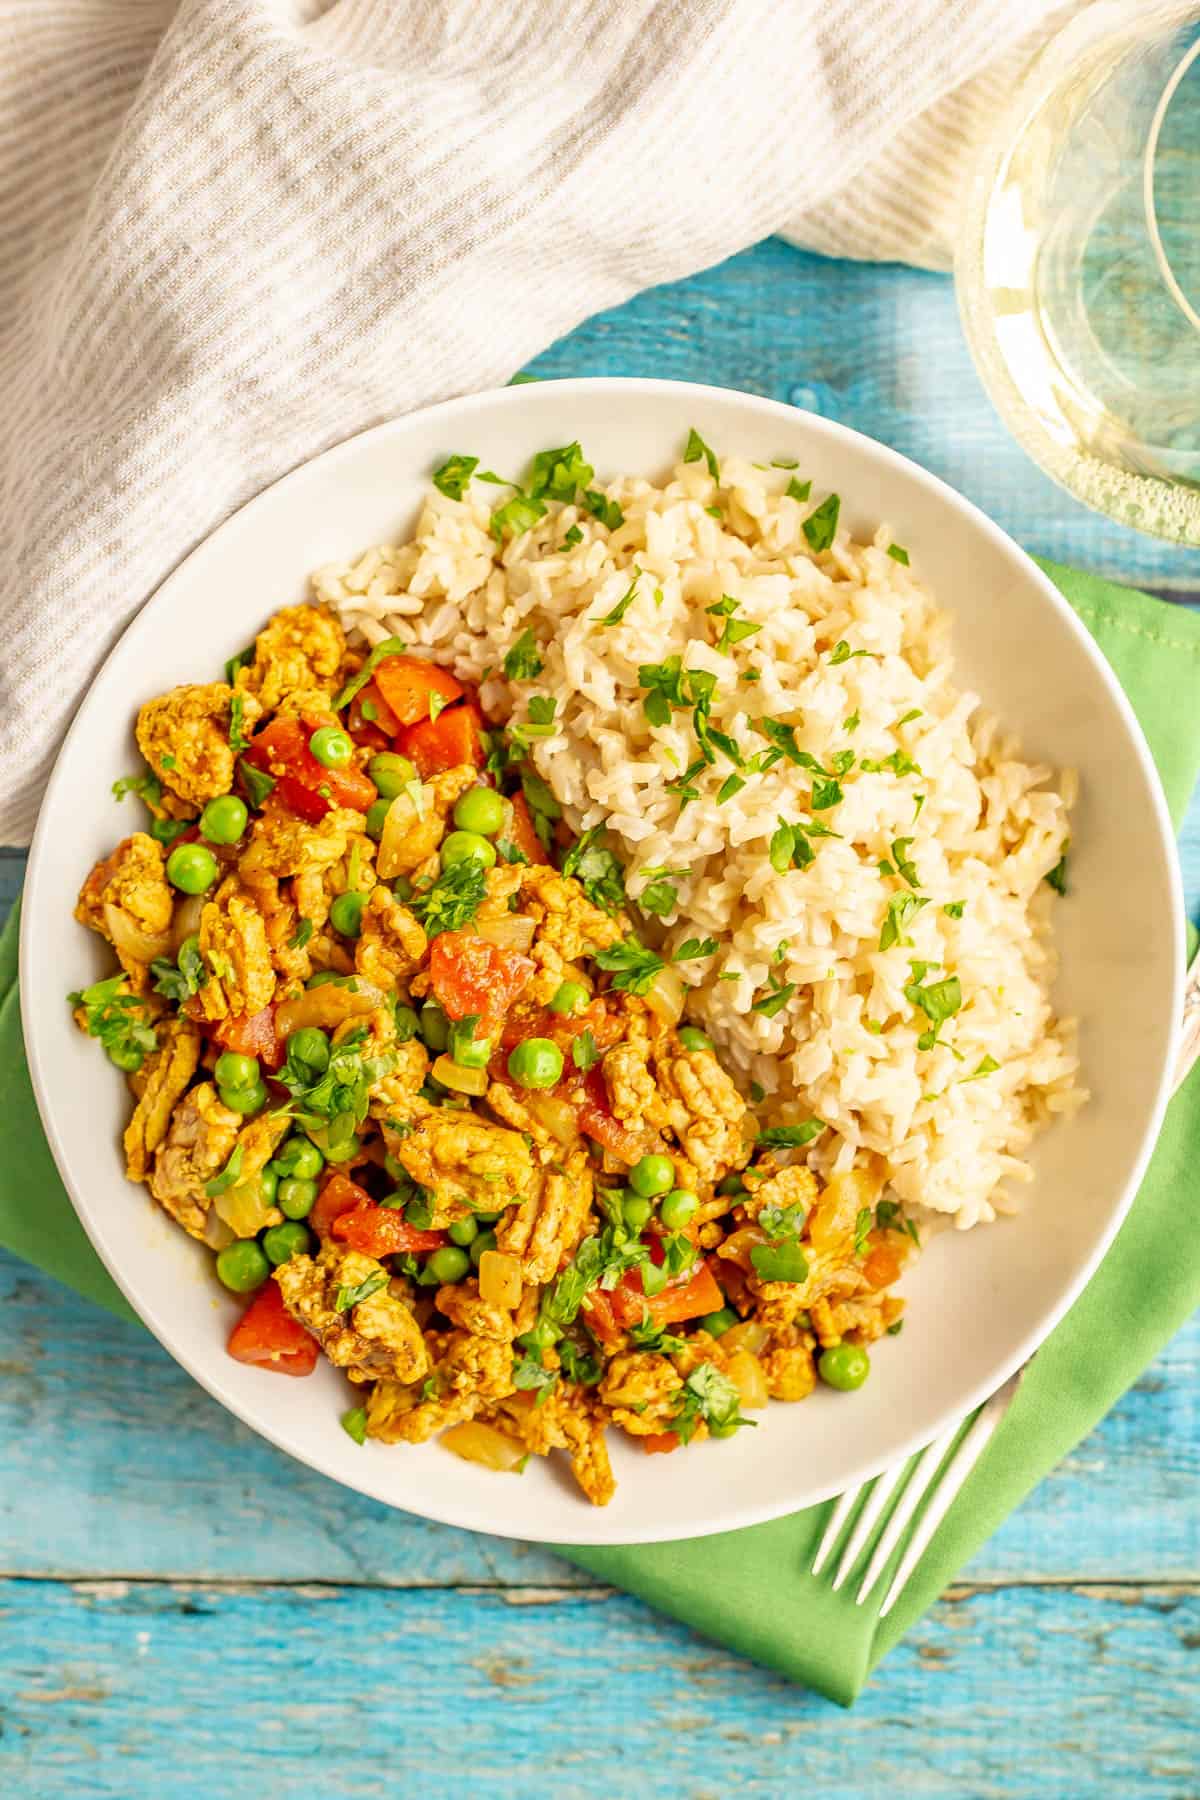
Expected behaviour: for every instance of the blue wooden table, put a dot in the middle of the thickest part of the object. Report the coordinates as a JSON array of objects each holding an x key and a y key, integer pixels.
[{"x": 185, "y": 1613}]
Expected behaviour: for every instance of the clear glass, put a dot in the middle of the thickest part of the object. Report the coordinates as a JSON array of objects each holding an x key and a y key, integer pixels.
[{"x": 1079, "y": 264}]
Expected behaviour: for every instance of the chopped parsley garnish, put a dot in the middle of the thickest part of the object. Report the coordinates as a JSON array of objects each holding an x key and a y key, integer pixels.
[
  {"x": 694, "y": 948},
  {"x": 732, "y": 784},
  {"x": 333, "y": 1098},
  {"x": 596, "y": 869},
  {"x": 573, "y": 537},
  {"x": 648, "y": 1335},
  {"x": 826, "y": 792},
  {"x": 953, "y": 909},
  {"x": 607, "y": 511},
  {"x": 790, "y": 1137},
  {"x": 890, "y": 1217},
  {"x": 939, "y": 1001},
  {"x": 682, "y": 784},
  {"x": 509, "y": 852},
  {"x": 584, "y": 1053},
  {"x": 696, "y": 449},
  {"x": 530, "y": 1377},
  {"x": 301, "y": 935},
  {"x": 556, "y": 474},
  {"x": 228, "y": 1175},
  {"x": 711, "y": 1396},
  {"x": 842, "y": 653},
  {"x": 659, "y": 897},
  {"x": 347, "y": 1297},
  {"x": 117, "y": 1019},
  {"x": 862, "y": 1230},
  {"x": 758, "y": 1092},
  {"x": 437, "y": 704},
  {"x": 900, "y": 909},
  {"x": 899, "y": 763},
  {"x": 179, "y": 980},
  {"x": 623, "y": 604},
  {"x": 599, "y": 1262},
  {"x": 579, "y": 1364},
  {"x": 798, "y": 490},
  {"x": 734, "y": 630},
  {"x": 784, "y": 462},
  {"x": 453, "y": 900},
  {"x": 904, "y": 865},
  {"x": 780, "y": 992},
  {"x": 914, "y": 712},
  {"x": 988, "y": 1066},
  {"x": 167, "y": 762},
  {"x": 517, "y": 515},
  {"x": 354, "y": 1424},
  {"x": 454, "y": 476},
  {"x": 898, "y": 553},
  {"x": 392, "y": 646},
  {"x": 820, "y": 527},
  {"x": 237, "y": 723},
  {"x": 664, "y": 684},
  {"x": 146, "y": 787},
  {"x": 632, "y": 966},
  {"x": 1057, "y": 878},
  {"x": 242, "y": 660},
  {"x": 523, "y": 663}
]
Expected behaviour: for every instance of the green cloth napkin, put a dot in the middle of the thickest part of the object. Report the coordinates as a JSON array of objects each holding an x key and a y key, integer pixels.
[{"x": 1146, "y": 1287}]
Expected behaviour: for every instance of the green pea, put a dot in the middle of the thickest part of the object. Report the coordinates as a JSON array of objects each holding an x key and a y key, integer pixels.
[
  {"x": 467, "y": 846},
  {"x": 299, "y": 1157},
  {"x": 427, "y": 1278},
  {"x": 678, "y": 1208},
  {"x": 407, "y": 1024},
  {"x": 462, "y": 1231},
  {"x": 346, "y": 913},
  {"x": 731, "y": 1184},
  {"x": 691, "y": 1039},
  {"x": 268, "y": 1184},
  {"x": 295, "y": 1196},
  {"x": 537, "y": 1063},
  {"x": 242, "y": 1266},
  {"x": 435, "y": 1026},
  {"x": 331, "y": 747},
  {"x": 244, "y": 1100},
  {"x": 487, "y": 1218},
  {"x": 127, "y": 1057},
  {"x": 448, "y": 1264},
  {"x": 571, "y": 997},
  {"x": 844, "y": 1366},
  {"x": 390, "y": 773},
  {"x": 718, "y": 1323},
  {"x": 310, "y": 1046},
  {"x": 343, "y": 1152},
  {"x": 636, "y": 1210},
  {"x": 652, "y": 1175},
  {"x": 223, "y": 821},
  {"x": 282, "y": 1242},
  {"x": 377, "y": 812},
  {"x": 468, "y": 1051},
  {"x": 402, "y": 889},
  {"x": 480, "y": 810},
  {"x": 233, "y": 1071},
  {"x": 485, "y": 1241},
  {"x": 540, "y": 1336},
  {"x": 191, "y": 868},
  {"x": 165, "y": 831}
]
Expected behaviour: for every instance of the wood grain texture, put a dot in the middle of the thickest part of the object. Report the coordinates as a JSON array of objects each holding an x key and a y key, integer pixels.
[
  {"x": 170, "y": 1692},
  {"x": 265, "y": 1619}
]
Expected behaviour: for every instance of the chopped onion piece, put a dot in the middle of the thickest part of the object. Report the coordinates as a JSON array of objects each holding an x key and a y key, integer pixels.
[
  {"x": 499, "y": 1279},
  {"x": 746, "y": 1373},
  {"x": 244, "y": 1210},
  {"x": 557, "y": 1116},
  {"x": 326, "y": 1007},
  {"x": 479, "y": 1443},
  {"x": 666, "y": 995},
  {"x": 186, "y": 920},
  {"x": 462, "y": 1081},
  {"x": 750, "y": 1335},
  {"x": 402, "y": 816},
  {"x": 512, "y": 932},
  {"x": 130, "y": 940}
]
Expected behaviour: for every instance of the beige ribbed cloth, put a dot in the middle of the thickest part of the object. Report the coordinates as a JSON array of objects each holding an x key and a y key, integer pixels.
[{"x": 233, "y": 232}]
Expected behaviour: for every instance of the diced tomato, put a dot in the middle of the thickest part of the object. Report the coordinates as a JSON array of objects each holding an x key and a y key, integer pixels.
[
  {"x": 445, "y": 742},
  {"x": 339, "y": 1195},
  {"x": 407, "y": 684},
  {"x": 382, "y": 1231},
  {"x": 281, "y": 749},
  {"x": 600, "y": 1318},
  {"x": 250, "y": 1034},
  {"x": 267, "y": 1335},
  {"x": 369, "y": 711},
  {"x": 596, "y": 1120},
  {"x": 659, "y": 1443},
  {"x": 882, "y": 1267},
  {"x": 470, "y": 975},
  {"x": 522, "y": 833},
  {"x": 685, "y": 1297}
]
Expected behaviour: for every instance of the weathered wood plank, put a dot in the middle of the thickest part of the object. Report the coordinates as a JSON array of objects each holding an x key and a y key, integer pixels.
[
  {"x": 112, "y": 1461},
  {"x": 166, "y": 1693}
]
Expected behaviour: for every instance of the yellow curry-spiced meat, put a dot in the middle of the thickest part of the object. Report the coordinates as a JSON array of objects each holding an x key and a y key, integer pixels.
[{"x": 400, "y": 1058}]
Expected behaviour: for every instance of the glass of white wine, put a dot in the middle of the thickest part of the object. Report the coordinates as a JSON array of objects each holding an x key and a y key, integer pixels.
[{"x": 1078, "y": 269}]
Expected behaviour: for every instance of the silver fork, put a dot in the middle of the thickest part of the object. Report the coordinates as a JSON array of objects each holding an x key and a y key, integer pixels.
[{"x": 935, "y": 1477}]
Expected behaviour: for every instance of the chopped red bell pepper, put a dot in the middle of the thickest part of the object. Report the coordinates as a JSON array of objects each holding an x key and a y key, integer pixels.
[
  {"x": 407, "y": 683},
  {"x": 339, "y": 1195},
  {"x": 597, "y": 1121},
  {"x": 268, "y": 1336},
  {"x": 250, "y": 1034},
  {"x": 369, "y": 711},
  {"x": 445, "y": 742},
  {"x": 692, "y": 1294},
  {"x": 302, "y": 784},
  {"x": 382, "y": 1231},
  {"x": 469, "y": 975}
]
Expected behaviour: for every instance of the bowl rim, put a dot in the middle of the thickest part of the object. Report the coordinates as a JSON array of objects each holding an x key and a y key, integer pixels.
[{"x": 154, "y": 1312}]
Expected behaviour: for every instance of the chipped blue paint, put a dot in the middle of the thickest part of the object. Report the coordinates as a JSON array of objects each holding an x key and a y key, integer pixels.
[{"x": 331, "y": 1646}]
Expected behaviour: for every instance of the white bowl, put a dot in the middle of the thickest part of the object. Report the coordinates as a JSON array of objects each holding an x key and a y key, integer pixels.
[{"x": 979, "y": 1304}]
